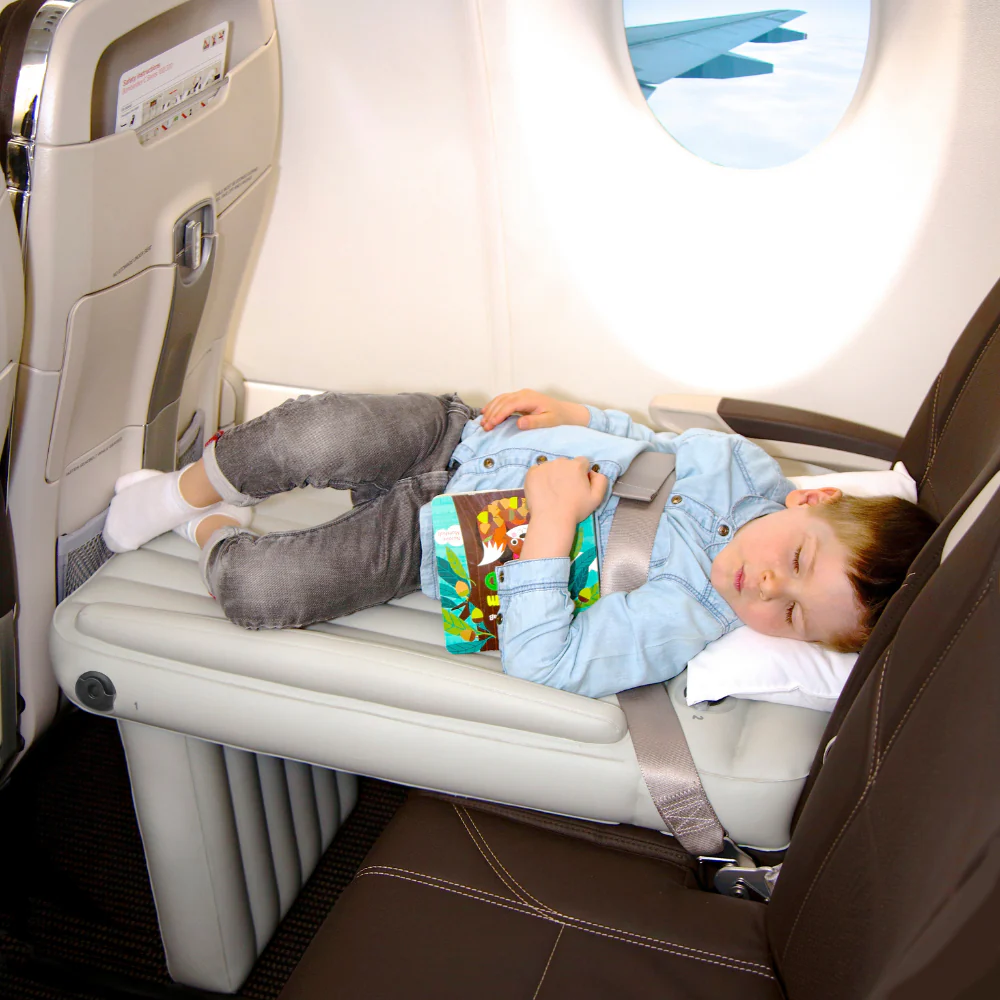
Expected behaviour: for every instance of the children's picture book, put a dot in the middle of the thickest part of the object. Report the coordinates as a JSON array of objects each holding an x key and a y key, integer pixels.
[{"x": 474, "y": 535}]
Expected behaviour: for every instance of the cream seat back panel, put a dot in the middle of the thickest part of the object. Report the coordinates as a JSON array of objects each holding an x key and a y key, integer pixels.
[
  {"x": 11, "y": 324},
  {"x": 108, "y": 378},
  {"x": 230, "y": 146},
  {"x": 103, "y": 280}
]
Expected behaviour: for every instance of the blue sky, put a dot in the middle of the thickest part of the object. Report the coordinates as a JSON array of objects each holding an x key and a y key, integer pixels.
[{"x": 768, "y": 120}]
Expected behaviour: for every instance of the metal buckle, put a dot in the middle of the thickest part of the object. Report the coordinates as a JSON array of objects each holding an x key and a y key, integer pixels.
[
  {"x": 733, "y": 873},
  {"x": 746, "y": 883}
]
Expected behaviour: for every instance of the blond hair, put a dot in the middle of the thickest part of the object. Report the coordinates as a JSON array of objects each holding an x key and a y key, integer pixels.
[{"x": 882, "y": 536}]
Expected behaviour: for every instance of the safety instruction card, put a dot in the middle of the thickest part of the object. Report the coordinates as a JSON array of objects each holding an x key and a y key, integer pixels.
[{"x": 171, "y": 87}]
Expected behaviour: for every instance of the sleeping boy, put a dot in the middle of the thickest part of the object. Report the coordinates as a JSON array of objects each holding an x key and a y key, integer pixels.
[{"x": 736, "y": 543}]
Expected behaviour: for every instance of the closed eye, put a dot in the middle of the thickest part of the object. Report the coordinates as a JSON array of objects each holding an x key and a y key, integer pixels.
[
  {"x": 788, "y": 613},
  {"x": 795, "y": 561}
]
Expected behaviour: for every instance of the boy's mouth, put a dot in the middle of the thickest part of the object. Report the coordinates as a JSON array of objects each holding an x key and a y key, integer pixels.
[{"x": 738, "y": 580}]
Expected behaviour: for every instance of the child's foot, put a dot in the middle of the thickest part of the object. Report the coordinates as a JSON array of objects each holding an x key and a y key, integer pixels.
[
  {"x": 225, "y": 512},
  {"x": 146, "y": 504}
]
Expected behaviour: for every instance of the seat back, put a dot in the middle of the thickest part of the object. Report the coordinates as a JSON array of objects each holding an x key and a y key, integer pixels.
[
  {"x": 11, "y": 325},
  {"x": 952, "y": 450},
  {"x": 143, "y": 172},
  {"x": 956, "y": 431},
  {"x": 896, "y": 855}
]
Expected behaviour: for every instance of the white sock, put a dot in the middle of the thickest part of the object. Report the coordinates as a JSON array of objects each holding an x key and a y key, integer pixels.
[
  {"x": 242, "y": 515},
  {"x": 146, "y": 503}
]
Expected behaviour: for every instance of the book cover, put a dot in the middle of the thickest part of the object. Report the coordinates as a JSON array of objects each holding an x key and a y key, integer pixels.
[{"x": 474, "y": 535}]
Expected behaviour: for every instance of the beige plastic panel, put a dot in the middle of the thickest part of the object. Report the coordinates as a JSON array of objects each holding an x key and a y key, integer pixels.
[
  {"x": 33, "y": 509},
  {"x": 64, "y": 116},
  {"x": 239, "y": 229},
  {"x": 101, "y": 213},
  {"x": 8, "y": 381},
  {"x": 113, "y": 343},
  {"x": 104, "y": 210},
  {"x": 11, "y": 324},
  {"x": 11, "y": 290}
]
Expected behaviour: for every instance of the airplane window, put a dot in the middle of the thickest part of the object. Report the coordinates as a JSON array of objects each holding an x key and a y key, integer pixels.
[{"x": 744, "y": 86}]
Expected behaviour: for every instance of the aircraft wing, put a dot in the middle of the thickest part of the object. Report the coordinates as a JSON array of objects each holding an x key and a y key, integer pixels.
[{"x": 700, "y": 48}]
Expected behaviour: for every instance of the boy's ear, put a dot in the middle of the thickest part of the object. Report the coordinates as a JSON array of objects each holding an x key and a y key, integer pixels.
[{"x": 809, "y": 498}]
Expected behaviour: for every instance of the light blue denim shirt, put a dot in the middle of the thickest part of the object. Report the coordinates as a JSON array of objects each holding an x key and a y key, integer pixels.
[{"x": 625, "y": 639}]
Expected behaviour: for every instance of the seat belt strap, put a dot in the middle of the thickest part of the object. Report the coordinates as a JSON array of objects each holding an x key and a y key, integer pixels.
[
  {"x": 642, "y": 492},
  {"x": 657, "y": 737},
  {"x": 668, "y": 769}
]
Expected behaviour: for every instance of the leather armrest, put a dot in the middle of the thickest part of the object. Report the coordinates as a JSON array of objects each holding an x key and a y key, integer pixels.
[{"x": 774, "y": 423}]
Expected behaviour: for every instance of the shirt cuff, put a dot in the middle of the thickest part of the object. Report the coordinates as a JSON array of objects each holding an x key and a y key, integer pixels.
[
  {"x": 522, "y": 575},
  {"x": 598, "y": 419}
]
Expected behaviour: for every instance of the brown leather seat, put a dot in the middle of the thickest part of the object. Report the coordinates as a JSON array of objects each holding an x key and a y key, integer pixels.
[
  {"x": 888, "y": 888},
  {"x": 458, "y": 902}
]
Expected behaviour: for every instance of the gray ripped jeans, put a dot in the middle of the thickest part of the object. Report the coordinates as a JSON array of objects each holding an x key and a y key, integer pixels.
[{"x": 391, "y": 452}]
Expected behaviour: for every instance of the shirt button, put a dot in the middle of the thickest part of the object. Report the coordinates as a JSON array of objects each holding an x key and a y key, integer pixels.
[
  {"x": 488, "y": 463},
  {"x": 595, "y": 468},
  {"x": 499, "y": 619},
  {"x": 540, "y": 459},
  {"x": 675, "y": 499},
  {"x": 500, "y": 576},
  {"x": 723, "y": 530}
]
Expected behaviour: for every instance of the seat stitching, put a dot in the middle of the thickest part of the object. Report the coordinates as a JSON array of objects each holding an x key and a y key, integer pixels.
[
  {"x": 876, "y": 759},
  {"x": 568, "y": 916},
  {"x": 522, "y": 895},
  {"x": 666, "y": 947},
  {"x": 874, "y": 775},
  {"x": 389, "y": 869},
  {"x": 534, "y": 996},
  {"x": 557, "y": 917},
  {"x": 968, "y": 378},
  {"x": 954, "y": 406},
  {"x": 934, "y": 670},
  {"x": 582, "y": 920},
  {"x": 463, "y": 815},
  {"x": 933, "y": 434}
]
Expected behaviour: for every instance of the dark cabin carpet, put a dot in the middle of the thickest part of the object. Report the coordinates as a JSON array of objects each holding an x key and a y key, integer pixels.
[{"x": 76, "y": 912}]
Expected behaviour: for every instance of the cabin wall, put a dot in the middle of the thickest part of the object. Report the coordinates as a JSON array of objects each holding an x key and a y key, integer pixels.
[{"x": 473, "y": 195}]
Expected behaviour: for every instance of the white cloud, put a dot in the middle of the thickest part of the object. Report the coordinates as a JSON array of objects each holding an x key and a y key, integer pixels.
[{"x": 764, "y": 120}]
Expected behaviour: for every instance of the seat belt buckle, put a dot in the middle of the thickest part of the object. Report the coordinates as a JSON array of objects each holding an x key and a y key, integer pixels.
[
  {"x": 733, "y": 873},
  {"x": 746, "y": 883}
]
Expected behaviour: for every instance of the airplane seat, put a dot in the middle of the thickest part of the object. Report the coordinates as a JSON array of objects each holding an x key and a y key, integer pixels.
[
  {"x": 457, "y": 899},
  {"x": 138, "y": 197},
  {"x": 375, "y": 692},
  {"x": 11, "y": 326},
  {"x": 140, "y": 146}
]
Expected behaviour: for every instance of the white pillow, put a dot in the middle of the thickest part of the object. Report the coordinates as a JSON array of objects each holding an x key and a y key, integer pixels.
[
  {"x": 747, "y": 664},
  {"x": 894, "y": 482}
]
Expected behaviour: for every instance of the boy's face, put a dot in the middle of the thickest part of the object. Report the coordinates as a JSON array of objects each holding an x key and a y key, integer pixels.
[{"x": 785, "y": 574}]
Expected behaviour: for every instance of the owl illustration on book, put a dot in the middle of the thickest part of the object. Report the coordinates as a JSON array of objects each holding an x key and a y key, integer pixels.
[{"x": 502, "y": 526}]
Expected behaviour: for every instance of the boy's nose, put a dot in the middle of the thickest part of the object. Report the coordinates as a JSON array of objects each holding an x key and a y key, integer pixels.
[{"x": 769, "y": 585}]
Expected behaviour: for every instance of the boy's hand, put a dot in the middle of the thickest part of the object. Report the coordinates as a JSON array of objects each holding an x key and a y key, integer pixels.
[
  {"x": 537, "y": 410},
  {"x": 560, "y": 494}
]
